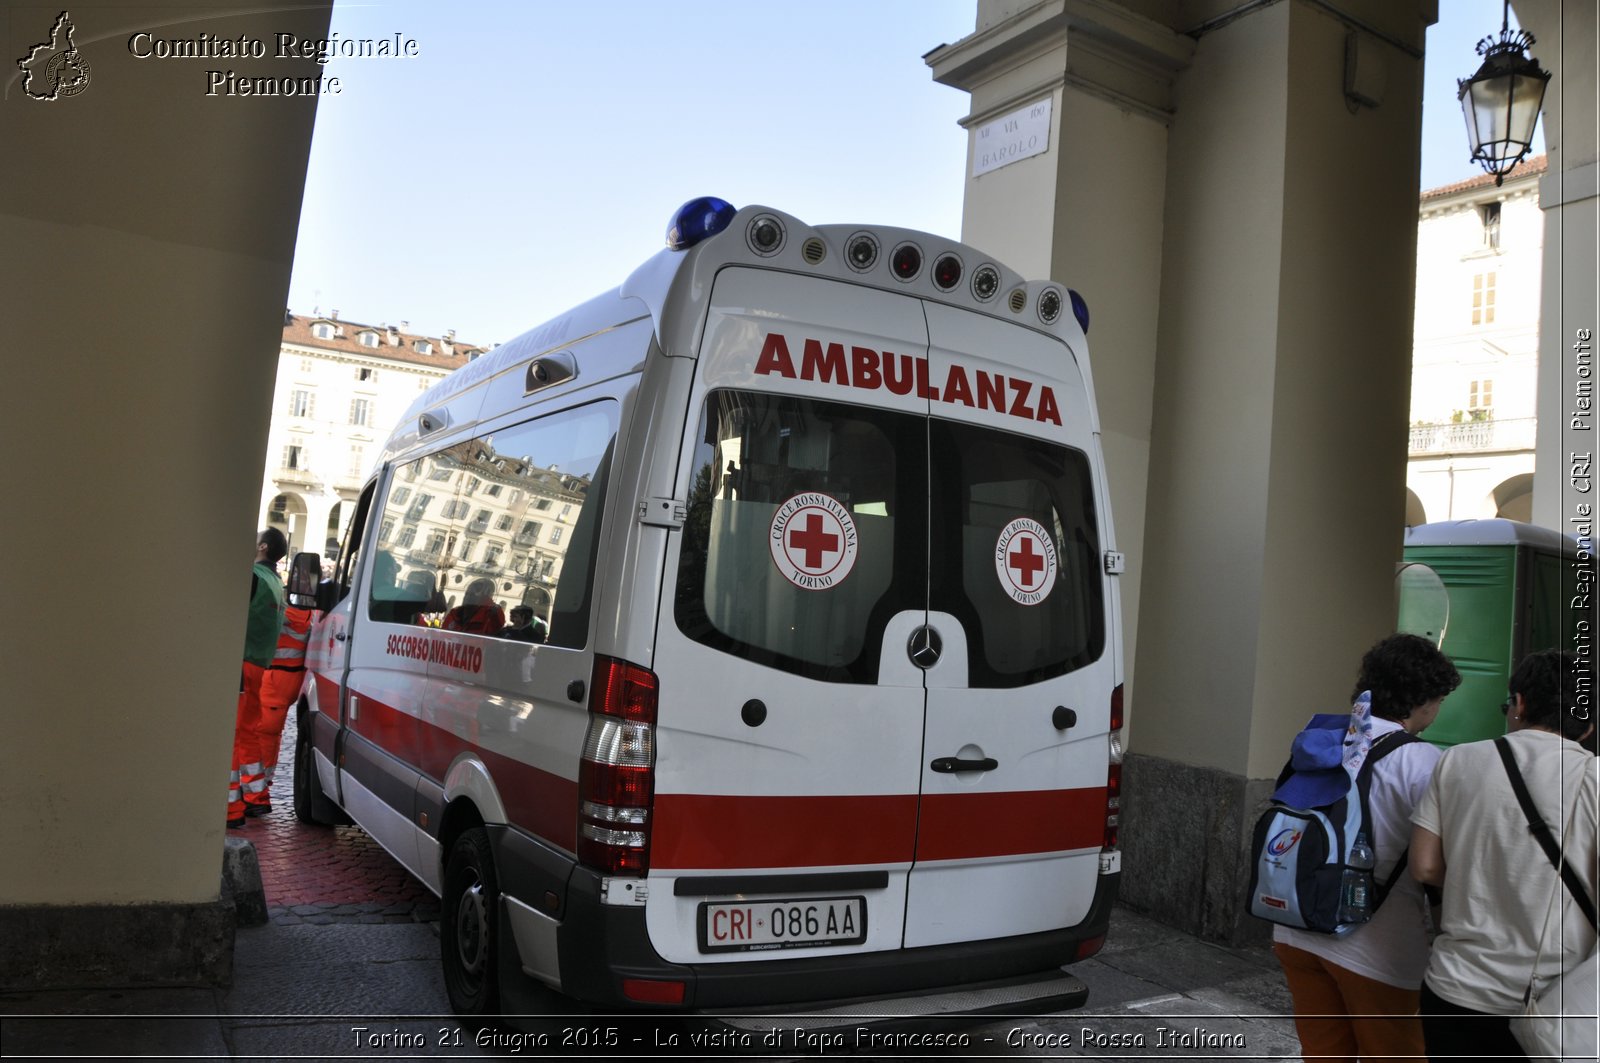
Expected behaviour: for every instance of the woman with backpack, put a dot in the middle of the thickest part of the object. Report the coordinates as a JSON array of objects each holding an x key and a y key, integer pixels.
[
  {"x": 1472, "y": 837},
  {"x": 1355, "y": 993}
]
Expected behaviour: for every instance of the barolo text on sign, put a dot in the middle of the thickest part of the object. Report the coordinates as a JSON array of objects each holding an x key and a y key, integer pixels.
[{"x": 1012, "y": 137}]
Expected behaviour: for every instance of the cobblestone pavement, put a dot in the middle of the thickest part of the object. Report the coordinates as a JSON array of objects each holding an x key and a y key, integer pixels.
[{"x": 327, "y": 875}]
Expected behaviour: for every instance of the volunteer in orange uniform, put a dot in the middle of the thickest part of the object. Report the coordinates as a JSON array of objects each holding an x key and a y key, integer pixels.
[
  {"x": 280, "y": 686},
  {"x": 265, "y": 621}
]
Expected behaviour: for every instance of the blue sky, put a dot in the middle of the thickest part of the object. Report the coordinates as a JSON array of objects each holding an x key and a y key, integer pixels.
[{"x": 530, "y": 156}]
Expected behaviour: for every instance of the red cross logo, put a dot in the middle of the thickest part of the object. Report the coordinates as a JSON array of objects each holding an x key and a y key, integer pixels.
[
  {"x": 1026, "y": 561},
  {"x": 814, "y": 541}
]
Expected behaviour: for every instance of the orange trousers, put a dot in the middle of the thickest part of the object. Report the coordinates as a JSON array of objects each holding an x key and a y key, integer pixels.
[
  {"x": 280, "y": 688},
  {"x": 1341, "y": 1015},
  {"x": 246, "y": 777}
]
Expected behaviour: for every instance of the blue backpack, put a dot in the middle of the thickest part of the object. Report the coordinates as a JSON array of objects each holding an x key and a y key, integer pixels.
[{"x": 1302, "y": 841}]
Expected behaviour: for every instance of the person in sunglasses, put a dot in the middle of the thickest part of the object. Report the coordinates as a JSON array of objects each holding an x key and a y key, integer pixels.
[{"x": 1472, "y": 838}]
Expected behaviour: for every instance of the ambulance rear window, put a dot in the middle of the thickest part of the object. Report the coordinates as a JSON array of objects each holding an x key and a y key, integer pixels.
[
  {"x": 855, "y": 475},
  {"x": 1032, "y": 604}
]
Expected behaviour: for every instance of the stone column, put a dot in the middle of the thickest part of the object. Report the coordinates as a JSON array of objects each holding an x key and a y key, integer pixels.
[
  {"x": 149, "y": 230},
  {"x": 1568, "y": 418},
  {"x": 1267, "y": 231},
  {"x": 1278, "y": 466},
  {"x": 1106, "y": 74}
]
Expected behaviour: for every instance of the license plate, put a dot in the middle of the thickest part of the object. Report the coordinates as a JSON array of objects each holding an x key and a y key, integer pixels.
[{"x": 749, "y": 926}]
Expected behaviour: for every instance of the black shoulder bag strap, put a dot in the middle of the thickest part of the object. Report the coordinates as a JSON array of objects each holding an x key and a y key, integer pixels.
[{"x": 1541, "y": 832}]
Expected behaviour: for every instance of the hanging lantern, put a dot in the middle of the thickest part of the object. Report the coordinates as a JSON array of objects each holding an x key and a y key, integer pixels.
[{"x": 1501, "y": 101}]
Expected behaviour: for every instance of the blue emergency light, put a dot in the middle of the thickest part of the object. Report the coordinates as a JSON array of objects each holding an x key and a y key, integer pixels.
[
  {"x": 698, "y": 219},
  {"x": 1080, "y": 310}
]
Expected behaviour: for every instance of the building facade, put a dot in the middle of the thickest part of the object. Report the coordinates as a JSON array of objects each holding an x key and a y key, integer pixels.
[
  {"x": 340, "y": 388},
  {"x": 1475, "y": 363},
  {"x": 480, "y": 525}
]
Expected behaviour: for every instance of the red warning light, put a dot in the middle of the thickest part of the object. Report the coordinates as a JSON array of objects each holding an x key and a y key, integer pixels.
[{"x": 906, "y": 262}]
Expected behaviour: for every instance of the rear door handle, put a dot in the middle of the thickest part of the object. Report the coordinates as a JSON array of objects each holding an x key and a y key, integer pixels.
[{"x": 954, "y": 764}]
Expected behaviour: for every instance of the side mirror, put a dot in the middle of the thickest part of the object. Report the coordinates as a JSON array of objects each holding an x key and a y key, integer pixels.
[{"x": 305, "y": 574}]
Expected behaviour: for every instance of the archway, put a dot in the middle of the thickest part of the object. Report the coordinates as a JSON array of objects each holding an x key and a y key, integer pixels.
[
  {"x": 1513, "y": 499},
  {"x": 287, "y": 513},
  {"x": 335, "y": 531},
  {"x": 1415, "y": 514}
]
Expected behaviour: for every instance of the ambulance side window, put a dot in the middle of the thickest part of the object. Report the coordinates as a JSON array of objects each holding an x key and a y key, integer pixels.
[
  {"x": 354, "y": 534},
  {"x": 415, "y": 543},
  {"x": 528, "y": 535}
]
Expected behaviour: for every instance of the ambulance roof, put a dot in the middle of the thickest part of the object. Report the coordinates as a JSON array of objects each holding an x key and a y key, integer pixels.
[{"x": 672, "y": 286}]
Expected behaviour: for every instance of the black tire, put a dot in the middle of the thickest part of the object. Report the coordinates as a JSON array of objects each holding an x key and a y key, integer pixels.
[
  {"x": 469, "y": 923},
  {"x": 311, "y": 805}
]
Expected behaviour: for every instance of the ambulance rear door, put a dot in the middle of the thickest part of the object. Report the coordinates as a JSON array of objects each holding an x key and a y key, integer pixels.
[
  {"x": 1013, "y": 776},
  {"x": 789, "y": 737}
]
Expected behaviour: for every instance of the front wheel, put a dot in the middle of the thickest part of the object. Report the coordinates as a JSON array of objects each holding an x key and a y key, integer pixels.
[
  {"x": 468, "y": 923},
  {"x": 311, "y": 805}
]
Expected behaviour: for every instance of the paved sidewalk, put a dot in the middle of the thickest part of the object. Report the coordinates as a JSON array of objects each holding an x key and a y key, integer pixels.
[
  {"x": 328, "y": 875},
  {"x": 348, "y": 968},
  {"x": 344, "y": 990}
]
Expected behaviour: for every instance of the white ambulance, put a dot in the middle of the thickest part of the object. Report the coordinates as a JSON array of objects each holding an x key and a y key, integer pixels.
[{"x": 821, "y": 697}]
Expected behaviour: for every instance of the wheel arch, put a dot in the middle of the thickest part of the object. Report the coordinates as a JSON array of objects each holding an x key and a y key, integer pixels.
[{"x": 471, "y": 799}]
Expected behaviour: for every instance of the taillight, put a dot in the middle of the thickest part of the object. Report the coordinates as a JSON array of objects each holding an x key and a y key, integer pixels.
[
  {"x": 616, "y": 777},
  {"x": 1114, "y": 772}
]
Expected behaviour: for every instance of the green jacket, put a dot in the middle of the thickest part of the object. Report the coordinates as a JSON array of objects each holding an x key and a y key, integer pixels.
[{"x": 266, "y": 615}]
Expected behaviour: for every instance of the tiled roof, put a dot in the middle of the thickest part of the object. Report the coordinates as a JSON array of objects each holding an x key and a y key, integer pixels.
[
  {"x": 1529, "y": 167},
  {"x": 297, "y": 330}
]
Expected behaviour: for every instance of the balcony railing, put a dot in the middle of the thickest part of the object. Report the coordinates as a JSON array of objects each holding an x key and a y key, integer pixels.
[
  {"x": 306, "y": 477},
  {"x": 1516, "y": 433}
]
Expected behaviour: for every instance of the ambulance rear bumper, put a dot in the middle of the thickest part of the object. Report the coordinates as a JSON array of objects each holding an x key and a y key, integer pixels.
[{"x": 602, "y": 945}]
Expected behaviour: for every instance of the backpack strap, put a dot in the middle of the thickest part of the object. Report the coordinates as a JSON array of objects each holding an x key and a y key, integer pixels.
[
  {"x": 1385, "y": 745},
  {"x": 1541, "y": 831}
]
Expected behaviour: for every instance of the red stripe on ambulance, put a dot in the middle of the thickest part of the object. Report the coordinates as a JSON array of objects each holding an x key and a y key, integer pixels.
[
  {"x": 870, "y": 369},
  {"x": 716, "y": 831},
  {"x": 538, "y": 801},
  {"x": 871, "y": 829},
  {"x": 973, "y": 826}
]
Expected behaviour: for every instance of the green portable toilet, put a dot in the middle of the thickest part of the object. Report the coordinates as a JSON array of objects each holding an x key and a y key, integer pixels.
[{"x": 1511, "y": 592}]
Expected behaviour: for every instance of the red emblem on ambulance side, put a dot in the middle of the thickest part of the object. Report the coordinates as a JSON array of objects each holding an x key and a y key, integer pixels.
[
  {"x": 1025, "y": 560},
  {"x": 813, "y": 541}
]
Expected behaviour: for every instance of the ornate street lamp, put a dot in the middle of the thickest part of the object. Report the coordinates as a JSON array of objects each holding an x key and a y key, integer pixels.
[{"x": 1501, "y": 101}]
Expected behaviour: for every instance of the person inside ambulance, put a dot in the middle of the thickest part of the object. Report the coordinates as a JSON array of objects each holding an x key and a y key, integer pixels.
[
  {"x": 477, "y": 614},
  {"x": 524, "y": 626},
  {"x": 388, "y": 596},
  {"x": 419, "y": 600}
]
